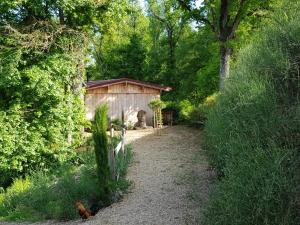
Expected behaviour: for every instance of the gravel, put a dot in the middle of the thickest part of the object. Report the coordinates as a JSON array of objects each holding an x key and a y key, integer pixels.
[{"x": 170, "y": 179}]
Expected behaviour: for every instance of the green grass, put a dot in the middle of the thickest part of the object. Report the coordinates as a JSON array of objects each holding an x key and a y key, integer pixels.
[
  {"x": 253, "y": 132},
  {"x": 52, "y": 196}
]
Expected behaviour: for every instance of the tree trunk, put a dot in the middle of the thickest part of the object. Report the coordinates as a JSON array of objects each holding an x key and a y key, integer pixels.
[
  {"x": 172, "y": 46},
  {"x": 171, "y": 58},
  {"x": 61, "y": 16},
  {"x": 225, "y": 53}
]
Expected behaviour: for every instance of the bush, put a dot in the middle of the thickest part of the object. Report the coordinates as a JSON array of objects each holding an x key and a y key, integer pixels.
[
  {"x": 45, "y": 196},
  {"x": 188, "y": 113},
  {"x": 24, "y": 148},
  {"x": 122, "y": 162},
  {"x": 173, "y": 106},
  {"x": 253, "y": 131},
  {"x": 186, "y": 107},
  {"x": 117, "y": 124},
  {"x": 198, "y": 115},
  {"x": 38, "y": 108},
  {"x": 156, "y": 104},
  {"x": 51, "y": 196}
]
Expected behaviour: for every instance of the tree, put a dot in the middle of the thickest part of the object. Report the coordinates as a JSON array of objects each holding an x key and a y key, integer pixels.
[
  {"x": 197, "y": 65},
  {"x": 156, "y": 57},
  {"x": 119, "y": 47},
  {"x": 101, "y": 147},
  {"x": 224, "y": 18},
  {"x": 42, "y": 51},
  {"x": 173, "y": 19},
  {"x": 135, "y": 54}
]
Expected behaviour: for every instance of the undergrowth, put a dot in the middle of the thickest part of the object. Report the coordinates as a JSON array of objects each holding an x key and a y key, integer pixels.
[{"x": 44, "y": 196}]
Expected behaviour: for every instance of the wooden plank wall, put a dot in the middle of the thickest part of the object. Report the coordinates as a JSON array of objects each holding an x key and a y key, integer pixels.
[{"x": 130, "y": 98}]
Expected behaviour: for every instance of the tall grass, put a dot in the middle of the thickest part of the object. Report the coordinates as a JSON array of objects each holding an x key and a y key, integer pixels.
[{"x": 253, "y": 132}]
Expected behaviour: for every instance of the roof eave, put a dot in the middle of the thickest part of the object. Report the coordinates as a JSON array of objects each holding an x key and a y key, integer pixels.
[{"x": 162, "y": 88}]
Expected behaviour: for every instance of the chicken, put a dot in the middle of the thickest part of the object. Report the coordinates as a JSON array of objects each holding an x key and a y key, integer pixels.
[{"x": 84, "y": 214}]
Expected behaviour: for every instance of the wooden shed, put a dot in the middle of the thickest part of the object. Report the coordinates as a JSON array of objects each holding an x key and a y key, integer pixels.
[{"x": 122, "y": 94}]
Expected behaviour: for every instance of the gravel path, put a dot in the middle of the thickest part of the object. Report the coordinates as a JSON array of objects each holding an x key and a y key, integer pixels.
[{"x": 171, "y": 181}]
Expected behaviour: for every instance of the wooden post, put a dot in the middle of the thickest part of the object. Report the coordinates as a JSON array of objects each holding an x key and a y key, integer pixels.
[
  {"x": 123, "y": 118},
  {"x": 111, "y": 154},
  {"x": 158, "y": 120},
  {"x": 123, "y": 141},
  {"x": 112, "y": 166},
  {"x": 112, "y": 132},
  {"x": 154, "y": 120}
]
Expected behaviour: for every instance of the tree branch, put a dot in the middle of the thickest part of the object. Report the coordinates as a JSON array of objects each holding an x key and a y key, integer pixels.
[
  {"x": 195, "y": 14},
  {"x": 238, "y": 18},
  {"x": 163, "y": 20},
  {"x": 223, "y": 15}
]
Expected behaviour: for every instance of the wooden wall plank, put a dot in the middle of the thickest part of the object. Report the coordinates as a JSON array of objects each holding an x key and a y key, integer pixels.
[{"x": 130, "y": 103}]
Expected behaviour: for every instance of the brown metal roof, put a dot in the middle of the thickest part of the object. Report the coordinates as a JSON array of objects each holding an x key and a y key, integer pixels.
[{"x": 104, "y": 83}]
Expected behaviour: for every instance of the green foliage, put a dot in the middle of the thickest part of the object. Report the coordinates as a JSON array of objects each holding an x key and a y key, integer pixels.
[
  {"x": 207, "y": 79},
  {"x": 41, "y": 74},
  {"x": 38, "y": 110},
  {"x": 252, "y": 133},
  {"x": 181, "y": 110},
  {"x": 116, "y": 124},
  {"x": 134, "y": 58},
  {"x": 101, "y": 147},
  {"x": 197, "y": 66},
  {"x": 186, "y": 107},
  {"x": 172, "y": 20},
  {"x": 186, "y": 112},
  {"x": 156, "y": 104},
  {"x": 52, "y": 195},
  {"x": 120, "y": 50},
  {"x": 76, "y": 14},
  {"x": 125, "y": 61},
  {"x": 198, "y": 115},
  {"x": 122, "y": 163}
]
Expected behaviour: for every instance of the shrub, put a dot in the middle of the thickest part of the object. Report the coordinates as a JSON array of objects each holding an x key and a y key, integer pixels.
[
  {"x": 199, "y": 114},
  {"x": 51, "y": 195},
  {"x": 25, "y": 148},
  {"x": 174, "y": 107},
  {"x": 211, "y": 99},
  {"x": 116, "y": 124},
  {"x": 185, "y": 112},
  {"x": 252, "y": 133},
  {"x": 101, "y": 147},
  {"x": 122, "y": 162},
  {"x": 156, "y": 104},
  {"x": 38, "y": 108},
  {"x": 186, "y": 108},
  {"x": 45, "y": 196}
]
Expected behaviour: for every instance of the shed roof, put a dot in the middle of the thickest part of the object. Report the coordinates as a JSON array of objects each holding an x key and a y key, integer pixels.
[{"x": 93, "y": 84}]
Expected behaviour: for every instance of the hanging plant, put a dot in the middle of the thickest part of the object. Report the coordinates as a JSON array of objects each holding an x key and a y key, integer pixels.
[{"x": 156, "y": 104}]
